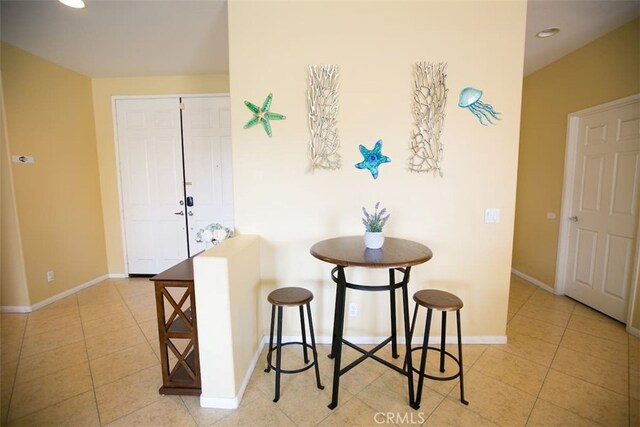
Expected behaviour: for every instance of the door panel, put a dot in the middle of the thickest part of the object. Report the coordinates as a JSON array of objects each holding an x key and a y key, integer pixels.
[
  {"x": 617, "y": 265},
  {"x": 207, "y": 159},
  {"x": 149, "y": 144},
  {"x": 605, "y": 204}
]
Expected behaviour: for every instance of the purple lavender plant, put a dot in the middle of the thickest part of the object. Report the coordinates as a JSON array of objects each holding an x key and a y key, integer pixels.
[{"x": 374, "y": 222}]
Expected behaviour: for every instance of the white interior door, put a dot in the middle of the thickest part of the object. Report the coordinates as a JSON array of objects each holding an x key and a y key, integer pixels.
[
  {"x": 150, "y": 156},
  {"x": 206, "y": 124},
  {"x": 604, "y": 209}
]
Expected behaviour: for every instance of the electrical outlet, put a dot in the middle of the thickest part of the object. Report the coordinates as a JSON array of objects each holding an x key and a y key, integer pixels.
[
  {"x": 50, "y": 276},
  {"x": 353, "y": 310}
]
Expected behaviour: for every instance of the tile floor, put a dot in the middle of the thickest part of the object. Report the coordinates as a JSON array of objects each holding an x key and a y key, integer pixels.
[{"x": 92, "y": 359}]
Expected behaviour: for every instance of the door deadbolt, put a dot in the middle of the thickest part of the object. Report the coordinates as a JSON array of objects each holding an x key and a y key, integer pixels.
[{"x": 573, "y": 219}]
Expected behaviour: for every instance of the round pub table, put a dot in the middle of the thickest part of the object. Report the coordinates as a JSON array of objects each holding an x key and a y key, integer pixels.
[{"x": 396, "y": 255}]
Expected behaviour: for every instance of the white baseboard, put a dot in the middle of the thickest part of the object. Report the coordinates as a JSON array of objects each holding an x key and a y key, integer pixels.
[
  {"x": 534, "y": 281},
  {"x": 234, "y": 402},
  {"x": 15, "y": 309},
  {"x": 633, "y": 331},
  {"x": 326, "y": 339},
  {"x": 118, "y": 276},
  {"x": 57, "y": 297}
]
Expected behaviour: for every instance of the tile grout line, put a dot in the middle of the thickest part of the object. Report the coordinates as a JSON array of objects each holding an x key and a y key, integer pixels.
[
  {"x": 630, "y": 338},
  {"x": 86, "y": 349},
  {"x": 15, "y": 375},
  {"x": 537, "y": 397}
]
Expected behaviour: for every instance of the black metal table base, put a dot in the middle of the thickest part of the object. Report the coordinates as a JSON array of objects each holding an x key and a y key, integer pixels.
[{"x": 338, "y": 276}]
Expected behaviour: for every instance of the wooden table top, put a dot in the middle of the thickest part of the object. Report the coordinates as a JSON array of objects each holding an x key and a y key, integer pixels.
[
  {"x": 350, "y": 251},
  {"x": 181, "y": 272}
]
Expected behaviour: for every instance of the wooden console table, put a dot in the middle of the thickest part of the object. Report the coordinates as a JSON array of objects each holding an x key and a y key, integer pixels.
[{"x": 178, "y": 330}]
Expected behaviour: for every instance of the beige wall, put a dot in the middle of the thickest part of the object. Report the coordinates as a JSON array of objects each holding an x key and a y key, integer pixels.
[
  {"x": 602, "y": 71},
  {"x": 103, "y": 91},
  {"x": 13, "y": 291},
  {"x": 375, "y": 45},
  {"x": 49, "y": 115}
]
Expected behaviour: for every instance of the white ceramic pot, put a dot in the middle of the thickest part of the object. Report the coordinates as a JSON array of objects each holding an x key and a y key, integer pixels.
[{"x": 373, "y": 240}]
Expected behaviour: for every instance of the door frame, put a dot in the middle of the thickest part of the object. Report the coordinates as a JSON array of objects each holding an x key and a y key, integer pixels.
[
  {"x": 117, "y": 155},
  {"x": 568, "y": 185}
]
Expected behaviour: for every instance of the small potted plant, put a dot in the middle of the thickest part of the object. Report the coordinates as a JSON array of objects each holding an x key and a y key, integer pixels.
[{"x": 373, "y": 223}]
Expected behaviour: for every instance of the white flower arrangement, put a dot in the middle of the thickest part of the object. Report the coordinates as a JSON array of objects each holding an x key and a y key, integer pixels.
[{"x": 214, "y": 234}]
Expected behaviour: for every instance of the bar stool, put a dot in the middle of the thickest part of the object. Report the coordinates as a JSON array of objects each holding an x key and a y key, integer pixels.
[
  {"x": 291, "y": 297},
  {"x": 442, "y": 301}
]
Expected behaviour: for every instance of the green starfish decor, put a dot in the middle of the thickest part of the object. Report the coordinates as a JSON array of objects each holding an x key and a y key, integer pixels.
[
  {"x": 372, "y": 158},
  {"x": 262, "y": 115}
]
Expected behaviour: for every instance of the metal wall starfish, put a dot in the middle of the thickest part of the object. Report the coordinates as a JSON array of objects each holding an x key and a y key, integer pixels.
[
  {"x": 372, "y": 158},
  {"x": 262, "y": 114}
]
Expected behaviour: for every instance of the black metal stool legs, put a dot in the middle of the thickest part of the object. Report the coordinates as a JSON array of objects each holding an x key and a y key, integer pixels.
[
  {"x": 278, "y": 344},
  {"x": 304, "y": 336},
  {"x": 423, "y": 359},
  {"x": 460, "y": 359},
  {"x": 422, "y": 372},
  {"x": 313, "y": 348},
  {"x": 443, "y": 336},
  {"x": 278, "y": 355},
  {"x": 273, "y": 318}
]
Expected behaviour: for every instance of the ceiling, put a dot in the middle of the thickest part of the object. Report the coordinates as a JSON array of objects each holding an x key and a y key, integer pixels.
[{"x": 116, "y": 38}]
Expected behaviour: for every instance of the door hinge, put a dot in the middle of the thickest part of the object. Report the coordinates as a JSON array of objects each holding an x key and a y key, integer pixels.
[{"x": 182, "y": 105}]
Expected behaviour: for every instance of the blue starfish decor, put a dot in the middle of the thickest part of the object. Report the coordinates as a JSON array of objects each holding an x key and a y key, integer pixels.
[
  {"x": 372, "y": 158},
  {"x": 262, "y": 114}
]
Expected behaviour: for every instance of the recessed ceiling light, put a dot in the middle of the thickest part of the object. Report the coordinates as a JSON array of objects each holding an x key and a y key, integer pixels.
[
  {"x": 76, "y": 4},
  {"x": 548, "y": 32}
]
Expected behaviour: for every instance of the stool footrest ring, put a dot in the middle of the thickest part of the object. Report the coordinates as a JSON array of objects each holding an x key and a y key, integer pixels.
[
  {"x": 289, "y": 371},
  {"x": 435, "y": 378}
]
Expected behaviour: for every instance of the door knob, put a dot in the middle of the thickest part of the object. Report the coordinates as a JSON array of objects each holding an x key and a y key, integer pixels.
[
  {"x": 573, "y": 218},
  {"x": 190, "y": 213},
  {"x": 179, "y": 213}
]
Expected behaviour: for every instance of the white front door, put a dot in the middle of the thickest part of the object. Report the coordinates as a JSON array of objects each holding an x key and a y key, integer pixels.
[
  {"x": 206, "y": 123},
  {"x": 150, "y": 155},
  {"x": 604, "y": 209},
  {"x": 172, "y": 156}
]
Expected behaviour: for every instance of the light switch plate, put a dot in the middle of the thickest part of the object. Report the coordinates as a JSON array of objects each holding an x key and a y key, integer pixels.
[{"x": 492, "y": 216}]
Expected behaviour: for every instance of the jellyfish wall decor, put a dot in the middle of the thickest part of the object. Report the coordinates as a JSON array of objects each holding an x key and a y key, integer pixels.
[
  {"x": 262, "y": 115},
  {"x": 372, "y": 158},
  {"x": 322, "y": 107},
  {"x": 470, "y": 98},
  {"x": 429, "y": 101}
]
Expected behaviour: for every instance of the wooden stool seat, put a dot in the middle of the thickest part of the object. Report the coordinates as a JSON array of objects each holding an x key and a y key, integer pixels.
[
  {"x": 290, "y": 297},
  {"x": 438, "y": 300}
]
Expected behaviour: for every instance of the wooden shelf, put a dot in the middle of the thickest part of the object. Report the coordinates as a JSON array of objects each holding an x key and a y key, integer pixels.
[{"x": 175, "y": 290}]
